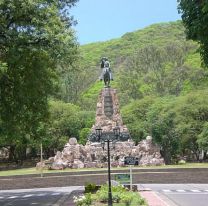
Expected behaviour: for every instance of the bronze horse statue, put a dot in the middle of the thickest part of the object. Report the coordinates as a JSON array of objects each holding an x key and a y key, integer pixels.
[{"x": 106, "y": 76}]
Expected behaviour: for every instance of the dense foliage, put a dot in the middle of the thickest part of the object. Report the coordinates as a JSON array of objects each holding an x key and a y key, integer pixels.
[
  {"x": 195, "y": 18},
  {"x": 49, "y": 88},
  {"x": 162, "y": 88},
  {"x": 65, "y": 120},
  {"x": 35, "y": 37},
  {"x": 177, "y": 124}
]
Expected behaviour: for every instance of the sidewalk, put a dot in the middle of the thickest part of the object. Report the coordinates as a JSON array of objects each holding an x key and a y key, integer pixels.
[{"x": 152, "y": 198}]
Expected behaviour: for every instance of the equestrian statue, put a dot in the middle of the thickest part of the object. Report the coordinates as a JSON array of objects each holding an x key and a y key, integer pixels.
[{"x": 106, "y": 74}]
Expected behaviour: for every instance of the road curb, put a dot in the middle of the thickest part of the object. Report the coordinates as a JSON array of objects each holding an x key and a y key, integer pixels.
[{"x": 62, "y": 200}]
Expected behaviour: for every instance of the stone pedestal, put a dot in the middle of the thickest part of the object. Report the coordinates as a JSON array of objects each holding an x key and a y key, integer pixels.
[
  {"x": 92, "y": 155},
  {"x": 107, "y": 113}
]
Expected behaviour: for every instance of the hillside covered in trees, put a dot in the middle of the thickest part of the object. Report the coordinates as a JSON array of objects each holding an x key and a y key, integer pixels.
[
  {"x": 162, "y": 87},
  {"x": 161, "y": 84}
]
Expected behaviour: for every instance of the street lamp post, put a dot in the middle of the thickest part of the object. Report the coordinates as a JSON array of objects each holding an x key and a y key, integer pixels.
[
  {"x": 110, "y": 202},
  {"x": 108, "y": 137},
  {"x": 41, "y": 158}
]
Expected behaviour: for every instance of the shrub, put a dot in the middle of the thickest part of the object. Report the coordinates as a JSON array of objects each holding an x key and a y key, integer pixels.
[
  {"x": 126, "y": 198},
  {"x": 181, "y": 162},
  {"x": 91, "y": 188},
  {"x": 119, "y": 194},
  {"x": 84, "y": 200},
  {"x": 101, "y": 196}
]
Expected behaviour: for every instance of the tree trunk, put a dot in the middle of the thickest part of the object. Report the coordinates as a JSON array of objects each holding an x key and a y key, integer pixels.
[
  {"x": 167, "y": 157},
  {"x": 12, "y": 153},
  {"x": 205, "y": 155}
]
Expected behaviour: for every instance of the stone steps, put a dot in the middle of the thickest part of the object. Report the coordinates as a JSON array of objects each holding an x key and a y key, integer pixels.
[{"x": 108, "y": 104}]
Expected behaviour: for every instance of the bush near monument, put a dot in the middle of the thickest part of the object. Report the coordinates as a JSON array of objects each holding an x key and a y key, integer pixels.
[{"x": 120, "y": 196}]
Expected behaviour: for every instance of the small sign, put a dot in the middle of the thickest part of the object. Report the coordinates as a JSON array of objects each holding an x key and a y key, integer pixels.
[
  {"x": 131, "y": 160},
  {"x": 122, "y": 178}
]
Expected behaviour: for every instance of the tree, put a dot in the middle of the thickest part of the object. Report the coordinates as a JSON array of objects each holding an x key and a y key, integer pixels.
[
  {"x": 195, "y": 18},
  {"x": 161, "y": 121},
  {"x": 156, "y": 70},
  {"x": 191, "y": 121},
  {"x": 64, "y": 122},
  {"x": 83, "y": 135},
  {"x": 203, "y": 139},
  {"x": 135, "y": 117},
  {"x": 35, "y": 37}
]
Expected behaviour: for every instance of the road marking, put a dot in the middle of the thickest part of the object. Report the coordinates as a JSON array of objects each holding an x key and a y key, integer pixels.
[
  {"x": 41, "y": 195},
  {"x": 56, "y": 193},
  {"x": 32, "y": 195},
  {"x": 189, "y": 193},
  {"x": 195, "y": 190},
  {"x": 180, "y": 190},
  {"x": 12, "y": 197},
  {"x": 166, "y": 190},
  {"x": 185, "y": 191},
  {"x": 27, "y": 196}
]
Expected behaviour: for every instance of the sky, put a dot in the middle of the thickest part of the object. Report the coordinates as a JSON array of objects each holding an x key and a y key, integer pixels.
[{"x": 101, "y": 20}]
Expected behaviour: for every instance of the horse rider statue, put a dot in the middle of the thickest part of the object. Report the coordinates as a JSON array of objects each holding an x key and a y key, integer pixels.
[{"x": 106, "y": 74}]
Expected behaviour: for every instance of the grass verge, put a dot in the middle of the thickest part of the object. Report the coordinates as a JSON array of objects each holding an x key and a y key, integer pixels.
[{"x": 27, "y": 171}]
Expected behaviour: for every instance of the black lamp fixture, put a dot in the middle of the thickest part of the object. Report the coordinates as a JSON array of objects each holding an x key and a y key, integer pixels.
[
  {"x": 98, "y": 132},
  {"x": 117, "y": 132}
]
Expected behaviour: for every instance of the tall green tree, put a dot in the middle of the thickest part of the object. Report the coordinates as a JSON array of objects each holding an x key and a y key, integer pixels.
[
  {"x": 195, "y": 18},
  {"x": 65, "y": 120},
  {"x": 161, "y": 120},
  {"x": 35, "y": 37},
  {"x": 203, "y": 139},
  {"x": 191, "y": 122},
  {"x": 136, "y": 119}
]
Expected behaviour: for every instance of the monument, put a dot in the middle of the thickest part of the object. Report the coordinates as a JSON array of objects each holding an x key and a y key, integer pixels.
[
  {"x": 108, "y": 117},
  {"x": 108, "y": 114}
]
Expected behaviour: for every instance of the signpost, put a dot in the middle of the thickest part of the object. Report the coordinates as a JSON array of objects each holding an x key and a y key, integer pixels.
[
  {"x": 122, "y": 178},
  {"x": 131, "y": 161}
]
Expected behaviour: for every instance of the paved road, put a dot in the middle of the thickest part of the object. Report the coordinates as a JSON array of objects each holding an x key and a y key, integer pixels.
[
  {"x": 172, "y": 194},
  {"x": 150, "y": 176},
  {"x": 180, "y": 194},
  {"x": 38, "y": 197}
]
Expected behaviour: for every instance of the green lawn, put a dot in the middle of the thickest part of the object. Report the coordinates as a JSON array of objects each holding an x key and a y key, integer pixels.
[{"x": 34, "y": 171}]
